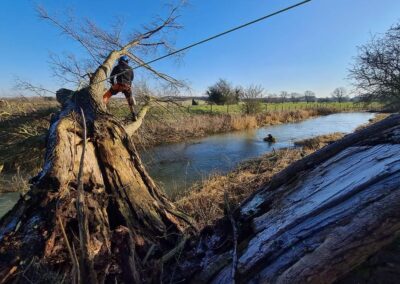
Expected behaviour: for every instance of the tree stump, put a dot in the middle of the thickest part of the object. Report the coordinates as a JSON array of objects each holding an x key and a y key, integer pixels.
[{"x": 126, "y": 218}]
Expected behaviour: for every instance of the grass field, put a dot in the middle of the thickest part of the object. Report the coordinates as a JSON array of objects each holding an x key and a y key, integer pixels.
[{"x": 204, "y": 108}]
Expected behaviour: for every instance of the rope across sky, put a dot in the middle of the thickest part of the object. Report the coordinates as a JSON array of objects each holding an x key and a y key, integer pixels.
[
  {"x": 209, "y": 39},
  {"x": 212, "y": 37}
]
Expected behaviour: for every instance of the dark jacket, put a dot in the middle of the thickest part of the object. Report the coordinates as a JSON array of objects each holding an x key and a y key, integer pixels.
[{"x": 127, "y": 74}]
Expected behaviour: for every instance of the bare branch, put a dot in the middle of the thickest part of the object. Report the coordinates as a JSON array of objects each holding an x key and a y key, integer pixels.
[
  {"x": 101, "y": 39},
  {"x": 68, "y": 69},
  {"x": 106, "y": 46},
  {"x": 169, "y": 22},
  {"x": 66, "y": 29},
  {"x": 376, "y": 70},
  {"x": 167, "y": 78},
  {"x": 27, "y": 86}
]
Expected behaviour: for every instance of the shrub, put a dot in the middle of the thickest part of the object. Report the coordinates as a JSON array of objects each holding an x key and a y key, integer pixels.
[{"x": 222, "y": 93}]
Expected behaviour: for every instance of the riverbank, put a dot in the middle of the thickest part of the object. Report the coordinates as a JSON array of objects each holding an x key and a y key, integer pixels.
[
  {"x": 181, "y": 127},
  {"x": 178, "y": 166},
  {"x": 24, "y": 123},
  {"x": 204, "y": 201}
]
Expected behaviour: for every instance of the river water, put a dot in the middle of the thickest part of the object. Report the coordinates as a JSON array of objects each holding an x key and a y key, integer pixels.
[{"x": 177, "y": 166}]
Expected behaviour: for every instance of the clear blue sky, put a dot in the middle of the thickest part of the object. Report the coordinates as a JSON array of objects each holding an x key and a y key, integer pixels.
[{"x": 310, "y": 47}]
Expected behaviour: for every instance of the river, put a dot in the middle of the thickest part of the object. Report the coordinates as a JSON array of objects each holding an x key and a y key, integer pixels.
[{"x": 177, "y": 166}]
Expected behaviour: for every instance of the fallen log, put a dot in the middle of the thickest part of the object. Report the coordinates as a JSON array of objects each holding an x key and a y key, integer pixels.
[{"x": 316, "y": 221}]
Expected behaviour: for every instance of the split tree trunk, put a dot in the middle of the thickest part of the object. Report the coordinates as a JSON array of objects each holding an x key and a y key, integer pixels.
[
  {"x": 315, "y": 222},
  {"x": 126, "y": 218}
]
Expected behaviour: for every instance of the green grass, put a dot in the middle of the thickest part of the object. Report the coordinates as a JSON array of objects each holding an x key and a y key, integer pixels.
[
  {"x": 288, "y": 106},
  {"x": 119, "y": 107}
]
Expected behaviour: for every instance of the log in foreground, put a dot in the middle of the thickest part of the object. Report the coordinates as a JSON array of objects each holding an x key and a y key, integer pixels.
[{"x": 315, "y": 222}]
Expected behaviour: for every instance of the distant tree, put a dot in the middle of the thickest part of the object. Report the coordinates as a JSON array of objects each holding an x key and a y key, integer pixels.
[
  {"x": 252, "y": 99},
  {"x": 339, "y": 94},
  {"x": 272, "y": 98},
  {"x": 295, "y": 97},
  {"x": 284, "y": 95},
  {"x": 309, "y": 96},
  {"x": 237, "y": 94},
  {"x": 376, "y": 70},
  {"x": 324, "y": 100},
  {"x": 222, "y": 93},
  {"x": 234, "y": 97}
]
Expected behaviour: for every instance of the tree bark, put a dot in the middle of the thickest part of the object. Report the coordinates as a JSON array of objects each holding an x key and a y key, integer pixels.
[
  {"x": 126, "y": 214},
  {"x": 315, "y": 222}
]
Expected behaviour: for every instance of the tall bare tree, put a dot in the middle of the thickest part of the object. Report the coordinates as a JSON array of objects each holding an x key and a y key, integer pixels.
[
  {"x": 309, "y": 96},
  {"x": 284, "y": 96},
  {"x": 376, "y": 70},
  {"x": 295, "y": 97},
  {"x": 93, "y": 201},
  {"x": 251, "y": 97}
]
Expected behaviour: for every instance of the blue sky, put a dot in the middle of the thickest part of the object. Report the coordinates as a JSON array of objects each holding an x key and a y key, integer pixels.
[{"x": 308, "y": 48}]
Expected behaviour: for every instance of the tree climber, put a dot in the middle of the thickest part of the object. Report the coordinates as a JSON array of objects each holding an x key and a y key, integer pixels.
[{"x": 123, "y": 74}]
